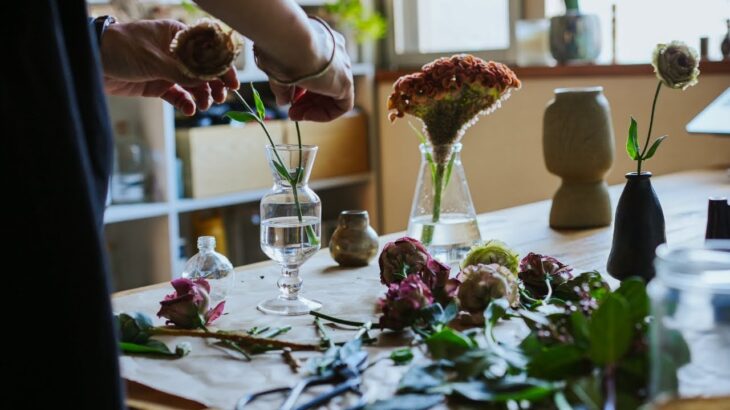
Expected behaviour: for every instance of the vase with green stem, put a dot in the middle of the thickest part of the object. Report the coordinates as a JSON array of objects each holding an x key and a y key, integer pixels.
[
  {"x": 291, "y": 213},
  {"x": 639, "y": 223},
  {"x": 448, "y": 95}
]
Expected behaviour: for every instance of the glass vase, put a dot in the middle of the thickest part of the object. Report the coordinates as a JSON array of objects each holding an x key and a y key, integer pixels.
[
  {"x": 442, "y": 214},
  {"x": 291, "y": 214}
]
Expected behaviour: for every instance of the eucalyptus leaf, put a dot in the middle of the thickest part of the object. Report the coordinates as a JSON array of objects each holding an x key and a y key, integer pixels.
[
  {"x": 474, "y": 363},
  {"x": 448, "y": 344},
  {"x": 422, "y": 378},
  {"x": 260, "y": 109},
  {"x": 634, "y": 291},
  {"x": 507, "y": 390},
  {"x": 241, "y": 116},
  {"x": 655, "y": 146},
  {"x": 632, "y": 143},
  {"x": 407, "y": 401},
  {"x": 611, "y": 330}
]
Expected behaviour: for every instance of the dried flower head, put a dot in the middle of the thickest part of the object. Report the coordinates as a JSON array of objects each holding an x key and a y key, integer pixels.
[
  {"x": 403, "y": 302},
  {"x": 204, "y": 50},
  {"x": 480, "y": 284},
  {"x": 448, "y": 94},
  {"x": 492, "y": 251},
  {"x": 676, "y": 64},
  {"x": 537, "y": 271},
  {"x": 401, "y": 258}
]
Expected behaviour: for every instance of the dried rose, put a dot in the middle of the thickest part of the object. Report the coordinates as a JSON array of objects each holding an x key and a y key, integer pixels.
[
  {"x": 401, "y": 258},
  {"x": 448, "y": 94},
  {"x": 436, "y": 277},
  {"x": 187, "y": 307},
  {"x": 676, "y": 65},
  {"x": 403, "y": 302},
  {"x": 480, "y": 284},
  {"x": 492, "y": 251},
  {"x": 204, "y": 50},
  {"x": 537, "y": 271}
]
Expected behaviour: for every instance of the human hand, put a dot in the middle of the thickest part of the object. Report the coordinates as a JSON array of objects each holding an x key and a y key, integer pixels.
[
  {"x": 137, "y": 62},
  {"x": 319, "y": 99}
]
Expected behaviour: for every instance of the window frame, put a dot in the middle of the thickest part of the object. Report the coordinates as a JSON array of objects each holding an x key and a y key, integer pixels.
[{"x": 415, "y": 59}]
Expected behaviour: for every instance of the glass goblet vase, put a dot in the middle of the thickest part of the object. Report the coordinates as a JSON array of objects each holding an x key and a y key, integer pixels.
[{"x": 290, "y": 225}]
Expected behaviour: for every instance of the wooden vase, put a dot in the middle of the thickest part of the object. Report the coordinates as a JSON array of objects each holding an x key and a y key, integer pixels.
[{"x": 578, "y": 146}]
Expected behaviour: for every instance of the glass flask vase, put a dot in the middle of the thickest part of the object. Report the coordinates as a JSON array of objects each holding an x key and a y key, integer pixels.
[
  {"x": 442, "y": 214},
  {"x": 290, "y": 225}
]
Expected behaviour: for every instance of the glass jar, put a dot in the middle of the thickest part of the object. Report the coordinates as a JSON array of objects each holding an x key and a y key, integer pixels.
[
  {"x": 442, "y": 214},
  {"x": 211, "y": 266},
  {"x": 690, "y": 331}
]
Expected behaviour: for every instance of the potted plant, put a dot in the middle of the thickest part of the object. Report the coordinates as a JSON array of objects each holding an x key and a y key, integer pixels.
[
  {"x": 357, "y": 23},
  {"x": 639, "y": 222},
  {"x": 575, "y": 37}
]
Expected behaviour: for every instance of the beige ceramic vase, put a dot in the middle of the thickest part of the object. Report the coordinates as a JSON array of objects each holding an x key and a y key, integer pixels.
[
  {"x": 354, "y": 242},
  {"x": 578, "y": 145}
]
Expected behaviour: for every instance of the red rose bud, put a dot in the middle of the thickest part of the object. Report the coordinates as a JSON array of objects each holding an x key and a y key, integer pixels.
[
  {"x": 187, "y": 307},
  {"x": 403, "y": 302}
]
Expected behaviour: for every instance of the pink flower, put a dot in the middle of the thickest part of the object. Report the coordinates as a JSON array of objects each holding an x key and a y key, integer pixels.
[
  {"x": 536, "y": 270},
  {"x": 187, "y": 307},
  {"x": 401, "y": 258},
  {"x": 403, "y": 302},
  {"x": 436, "y": 277}
]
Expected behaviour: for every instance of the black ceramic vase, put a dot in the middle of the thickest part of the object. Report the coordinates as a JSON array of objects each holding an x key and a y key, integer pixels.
[{"x": 638, "y": 229}]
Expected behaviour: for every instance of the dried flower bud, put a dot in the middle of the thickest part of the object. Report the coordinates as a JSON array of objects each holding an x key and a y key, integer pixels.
[
  {"x": 676, "y": 64},
  {"x": 403, "y": 302},
  {"x": 480, "y": 284},
  {"x": 204, "y": 50},
  {"x": 401, "y": 258},
  {"x": 492, "y": 251},
  {"x": 536, "y": 269}
]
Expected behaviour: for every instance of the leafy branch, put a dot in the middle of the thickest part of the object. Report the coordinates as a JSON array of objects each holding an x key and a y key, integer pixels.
[{"x": 632, "y": 143}]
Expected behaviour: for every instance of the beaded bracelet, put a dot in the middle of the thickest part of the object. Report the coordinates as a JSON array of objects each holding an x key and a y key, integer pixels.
[{"x": 314, "y": 75}]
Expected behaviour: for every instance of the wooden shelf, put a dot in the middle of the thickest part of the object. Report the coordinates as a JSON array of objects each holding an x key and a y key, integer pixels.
[
  {"x": 196, "y": 204},
  {"x": 121, "y": 213}
]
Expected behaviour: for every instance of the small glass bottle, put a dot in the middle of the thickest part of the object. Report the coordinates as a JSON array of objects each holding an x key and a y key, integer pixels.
[{"x": 211, "y": 266}]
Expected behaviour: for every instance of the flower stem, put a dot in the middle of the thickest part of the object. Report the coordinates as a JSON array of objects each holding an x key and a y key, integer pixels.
[
  {"x": 651, "y": 125},
  {"x": 438, "y": 185},
  {"x": 233, "y": 336},
  {"x": 336, "y": 320}
]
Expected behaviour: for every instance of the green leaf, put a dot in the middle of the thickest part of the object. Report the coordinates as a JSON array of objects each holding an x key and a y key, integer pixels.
[
  {"x": 558, "y": 363},
  {"x": 407, "y": 401},
  {"x": 579, "y": 327},
  {"x": 449, "y": 168},
  {"x": 611, "y": 330},
  {"x": 241, "y": 116},
  {"x": 259, "y": 103},
  {"x": 281, "y": 169},
  {"x": 654, "y": 146},
  {"x": 420, "y": 379},
  {"x": 152, "y": 346},
  {"x": 401, "y": 356},
  {"x": 632, "y": 143},
  {"x": 506, "y": 390},
  {"x": 474, "y": 363},
  {"x": 448, "y": 344},
  {"x": 634, "y": 291},
  {"x": 133, "y": 327}
]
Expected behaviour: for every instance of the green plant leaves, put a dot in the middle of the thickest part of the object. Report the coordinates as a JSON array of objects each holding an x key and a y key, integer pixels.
[
  {"x": 420, "y": 379},
  {"x": 611, "y": 330},
  {"x": 448, "y": 344},
  {"x": 260, "y": 109},
  {"x": 401, "y": 356},
  {"x": 655, "y": 146},
  {"x": 133, "y": 327},
  {"x": 407, "y": 401},
  {"x": 155, "y": 347},
  {"x": 634, "y": 291},
  {"x": 559, "y": 362},
  {"x": 241, "y": 116},
  {"x": 632, "y": 143}
]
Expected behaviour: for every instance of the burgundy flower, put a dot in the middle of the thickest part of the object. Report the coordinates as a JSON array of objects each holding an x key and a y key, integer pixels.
[
  {"x": 536, "y": 270},
  {"x": 401, "y": 258},
  {"x": 436, "y": 277},
  {"x": 403, "y": 302},
  {"x": 187, "y": 307}
]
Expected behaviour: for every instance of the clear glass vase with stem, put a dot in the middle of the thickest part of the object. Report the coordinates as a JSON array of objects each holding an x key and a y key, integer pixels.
[
  {"x": 442, "y": 214},
  {"x": 291, "y": 214}
]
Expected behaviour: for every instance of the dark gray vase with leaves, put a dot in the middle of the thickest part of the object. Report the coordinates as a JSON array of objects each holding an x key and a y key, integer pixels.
[{"x": 638, "y": 229}]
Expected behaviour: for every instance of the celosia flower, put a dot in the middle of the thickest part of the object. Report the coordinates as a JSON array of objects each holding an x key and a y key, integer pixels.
[
  {"x": 187, "y": 307},
  {"x": 676, "y": 65},
  {"x": 492, "y": 251},
  {"x": 204, "y": 50},
  {"x": 401, "y": 258},
  {"x": 403, "y": 302},
  {"x": 536, "y": 270},
  {"x": 480, "y": 284},
  {"x": 448, "y": 94}
]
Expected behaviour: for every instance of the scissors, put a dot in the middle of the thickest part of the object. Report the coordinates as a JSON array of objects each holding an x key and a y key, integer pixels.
[{"x": 343, "y": 373}]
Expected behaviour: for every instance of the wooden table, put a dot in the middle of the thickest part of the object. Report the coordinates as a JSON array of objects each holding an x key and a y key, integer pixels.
[{"x": 352, "y": 292}]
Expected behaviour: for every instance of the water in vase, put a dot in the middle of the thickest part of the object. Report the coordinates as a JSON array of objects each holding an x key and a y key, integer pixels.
[
  {"x": 450, "y": 238},
  {"x": 285, "y": 240}
]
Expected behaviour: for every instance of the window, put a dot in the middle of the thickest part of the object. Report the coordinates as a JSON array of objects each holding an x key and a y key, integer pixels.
[
  {"x": 640, "y": 25},
  {"x": 422, "y": 30}
]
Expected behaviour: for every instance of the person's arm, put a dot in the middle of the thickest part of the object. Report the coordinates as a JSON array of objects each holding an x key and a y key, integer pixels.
[{"x": 291, "y": 46}]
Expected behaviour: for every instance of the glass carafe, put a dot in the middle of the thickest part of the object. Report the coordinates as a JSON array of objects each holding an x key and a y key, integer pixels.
[
  {"x": 290, "y": 226},
  {"x": 211, "y": 266},
  {"x": 442, "y": 215}
]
